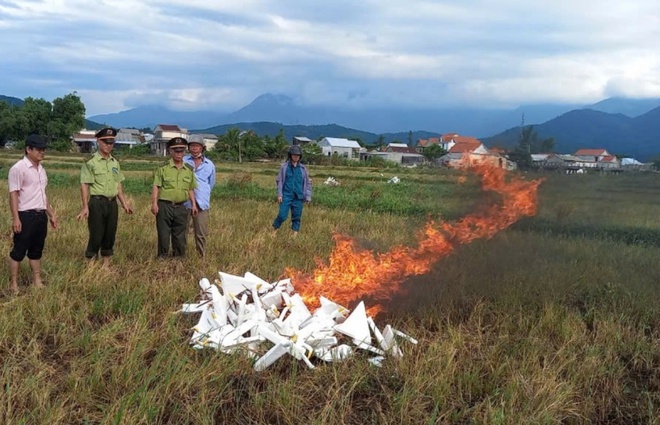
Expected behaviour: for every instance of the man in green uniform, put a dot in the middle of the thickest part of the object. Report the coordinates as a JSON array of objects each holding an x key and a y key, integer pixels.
[
  {"x": 174, "y": 184},
  {"x": 100, "y": 187}
]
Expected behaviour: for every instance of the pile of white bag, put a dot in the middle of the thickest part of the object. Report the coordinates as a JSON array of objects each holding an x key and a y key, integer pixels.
[
  {"x": 331, "y": 181},
  {"x": 268, "y": 320}
]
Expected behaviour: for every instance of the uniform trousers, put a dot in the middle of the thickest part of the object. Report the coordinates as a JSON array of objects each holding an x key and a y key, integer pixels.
[
  {"x": 171, "y": 225},
  {"x": 102, "y": 225}
]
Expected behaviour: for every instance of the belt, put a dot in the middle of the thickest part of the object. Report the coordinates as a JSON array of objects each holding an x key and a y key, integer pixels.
[
  {"x": 176, "y": 204},
  {"x": 34, "y": 211},
  {"x": 103, "y": 198}
]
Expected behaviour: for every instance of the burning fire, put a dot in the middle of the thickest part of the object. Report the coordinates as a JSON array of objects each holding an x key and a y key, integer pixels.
[{"x": 353, "y": 273}]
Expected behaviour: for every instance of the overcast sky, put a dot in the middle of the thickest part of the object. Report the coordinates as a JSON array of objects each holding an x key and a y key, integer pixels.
[{"x": 205, "y": 54}]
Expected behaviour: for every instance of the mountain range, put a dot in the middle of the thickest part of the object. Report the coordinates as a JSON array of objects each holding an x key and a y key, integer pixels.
[
  {"x": 620, "y": 134},
  {"x": 620, "y": 125}
]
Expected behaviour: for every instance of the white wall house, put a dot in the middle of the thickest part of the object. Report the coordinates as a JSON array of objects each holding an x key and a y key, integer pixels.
[
  {"x": 210, "y": 141},
  {"x": 344, "y": 148},
  {"x": 162, "y": 134}
]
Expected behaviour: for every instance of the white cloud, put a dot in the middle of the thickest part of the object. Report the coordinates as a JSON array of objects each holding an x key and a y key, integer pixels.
[{"x": 223, "y": 54}]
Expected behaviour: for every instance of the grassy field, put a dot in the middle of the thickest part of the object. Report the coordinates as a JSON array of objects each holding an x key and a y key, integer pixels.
[{"x": 555, "y": 320}]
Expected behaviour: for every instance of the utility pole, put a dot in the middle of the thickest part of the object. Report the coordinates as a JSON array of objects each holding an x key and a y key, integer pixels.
[{"x": 240, "y": 136}]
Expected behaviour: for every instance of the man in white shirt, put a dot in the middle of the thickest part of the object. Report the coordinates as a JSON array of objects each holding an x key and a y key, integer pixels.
[{"x": 30, "y": 210}]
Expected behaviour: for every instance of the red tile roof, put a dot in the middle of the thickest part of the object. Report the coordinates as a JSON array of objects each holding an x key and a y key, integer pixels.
[
  {"x": 169, "y": 127},
  {"x": 458, "y": 139},
  {"x": 465, "y": 147},
  {"x": 428, "y": 142},
  {"x": 590, "y": 152},
  {"x": 609, "y": 158}
]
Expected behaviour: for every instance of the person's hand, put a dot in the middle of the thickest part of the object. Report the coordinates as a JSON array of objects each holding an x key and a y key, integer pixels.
[
  {"x": 194, "y": 210},
  {"x": 17, "y": 226},
  {"x": 54, "y": 223},
  {"x": 154, "y": 208},
  {"x": 127, "y": 209},
  {"x": 279, "y": 199},
  {"x": 84, "y": 213}
]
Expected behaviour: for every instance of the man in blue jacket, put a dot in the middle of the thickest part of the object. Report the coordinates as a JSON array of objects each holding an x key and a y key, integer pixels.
[{"x": 293, "y": 188}]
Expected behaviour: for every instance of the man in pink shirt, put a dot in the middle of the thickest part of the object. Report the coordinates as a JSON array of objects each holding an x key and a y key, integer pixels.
[{"x": 30, "y": 210}]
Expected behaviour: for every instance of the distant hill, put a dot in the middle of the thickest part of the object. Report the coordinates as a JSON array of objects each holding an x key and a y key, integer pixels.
[
  {"x": 315, "y": 132},
  {"x": 586, "y": 128},
  {"x": 151, "y": 116},
  {"x": 91, "y": 125},
  {"x": 14, "y": 101},
  {"x": 628, "y": 107}
]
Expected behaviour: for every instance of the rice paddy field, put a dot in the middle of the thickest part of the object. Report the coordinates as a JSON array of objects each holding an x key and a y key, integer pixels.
[{"x": 554, "y": 319}]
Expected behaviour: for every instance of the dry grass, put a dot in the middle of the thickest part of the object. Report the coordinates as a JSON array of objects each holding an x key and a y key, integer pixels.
[{"x": 529, "y": 327}]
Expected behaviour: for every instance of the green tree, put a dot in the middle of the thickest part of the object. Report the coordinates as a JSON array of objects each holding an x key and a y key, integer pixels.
[
  {"x": 68, "y": 117},
  {"x": 410, "y": 138},
  {"x": 547, "y": 145},
  {"x": 433, "y": 152},
  {"x": 9, "y": 123},
  {"x": 311, "y": 153},
  {"x": 380, "y": 142},
  {"x": 228, "y": 146},
  {"x": 277, "y": 146},
  {"x": 37, "y": 113},
  {"x": 253, "y": 146}
]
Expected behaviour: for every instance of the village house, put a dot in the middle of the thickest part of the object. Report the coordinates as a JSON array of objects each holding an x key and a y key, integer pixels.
[
  {"x": 397, "y": 152},
  {"x": 465, "y": 151},
  {"x": 344, "y": 148},
  {"x": 424, "y": 143},
  {"x": 162, "y": 134},
  {"x": 300, "y": 140},
  {"x": 210, "y": 140},
  {"x": 85, "y": 140},
  {"x": 128, "y": 138}
]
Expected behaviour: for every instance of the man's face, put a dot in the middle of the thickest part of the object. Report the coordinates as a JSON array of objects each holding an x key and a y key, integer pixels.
[
  {"x": 295, "y": 157},
  {"x": 195, "y": 149},
  {"x": 35, "y": 154},
  {"x": 177, "y": 153},
  {"x": 106, "y": 145}
]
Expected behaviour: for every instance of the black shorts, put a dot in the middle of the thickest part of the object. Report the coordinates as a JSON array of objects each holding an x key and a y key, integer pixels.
[{"x": 34, "y": 228}]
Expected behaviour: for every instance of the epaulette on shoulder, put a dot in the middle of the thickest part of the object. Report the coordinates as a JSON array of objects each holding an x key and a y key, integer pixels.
[
  {"x": 88, "y": 158},
  {"x": 188, "y": 166}
]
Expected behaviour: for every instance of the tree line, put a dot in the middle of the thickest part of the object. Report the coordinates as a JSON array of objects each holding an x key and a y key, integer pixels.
[{"x": 56, "y": 120}]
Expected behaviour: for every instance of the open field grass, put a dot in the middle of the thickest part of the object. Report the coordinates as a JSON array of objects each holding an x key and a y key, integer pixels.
[{"x": 555, "y": 320}]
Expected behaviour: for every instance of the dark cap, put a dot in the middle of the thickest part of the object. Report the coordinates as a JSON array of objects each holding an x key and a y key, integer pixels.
[
  {"x": 295, "y": 150},
  {"x": 35, "y": 141},
  {"x": 106, "y": 133},
  {"x": 177, "y": 141}
]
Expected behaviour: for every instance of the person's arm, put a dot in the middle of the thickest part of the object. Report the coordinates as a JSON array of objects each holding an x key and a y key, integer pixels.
[
  {"x": 280, "y": 182},
  {"x": 51, "y": 215},
  {"x": 158, "y": 182},
  {"x": 193, "y": 204},
  {"x": 122, "y": 199},
  {"x": 212, "y": 177},
  {"x": 17, "y": 226},
  {"x": 154, "y": 199},
  {"x": 84, "y": 196}
]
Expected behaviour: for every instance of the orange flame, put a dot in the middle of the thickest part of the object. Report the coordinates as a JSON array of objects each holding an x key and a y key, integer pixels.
[{"x": 353, "y": 273}]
